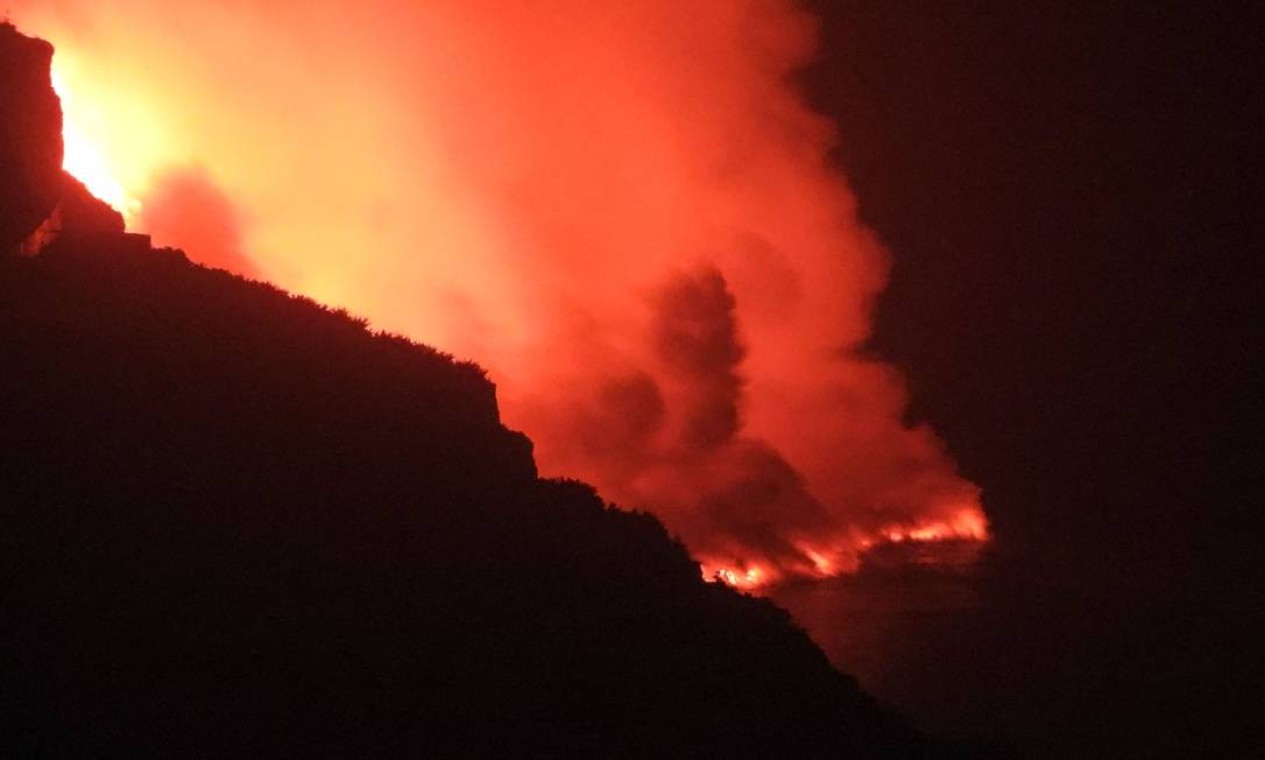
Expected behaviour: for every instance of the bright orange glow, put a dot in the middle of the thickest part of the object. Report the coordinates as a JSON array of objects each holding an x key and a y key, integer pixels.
[
  {"x": 116, "y": 139},
  {"x": 84, "y": 158},
  {"x": 622, "y": 210},
  {"x": 967, "y": 525},
  {"x": 749, "y": 579}
]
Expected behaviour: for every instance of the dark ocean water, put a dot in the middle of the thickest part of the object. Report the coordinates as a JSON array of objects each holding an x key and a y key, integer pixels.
[
  {"x": 910, "y": 627},
  {"x": 966, "y": 650},
  {"x": 971, "y": 645},
  {"x": 855, "y": 618}
]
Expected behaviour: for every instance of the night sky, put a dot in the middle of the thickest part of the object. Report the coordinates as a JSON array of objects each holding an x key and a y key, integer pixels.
[{"x": 1074, "y": 299}]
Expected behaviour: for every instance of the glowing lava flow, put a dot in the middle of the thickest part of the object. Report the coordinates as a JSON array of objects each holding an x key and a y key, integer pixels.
[
  {"x": 750, "y": 579},
  {"x": 967, "y": 525}
]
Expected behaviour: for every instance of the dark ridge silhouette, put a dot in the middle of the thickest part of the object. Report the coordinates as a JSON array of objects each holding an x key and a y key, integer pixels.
[
  {"x": 236, "y": 523},
  {"x": 38, "y": 201},
  {"x": 30, "y": 136}
]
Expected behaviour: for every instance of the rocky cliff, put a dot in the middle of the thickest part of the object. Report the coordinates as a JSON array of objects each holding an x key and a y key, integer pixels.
[
  {"x": 30, "y": 136},
  {"x": 38, "y": 201}
]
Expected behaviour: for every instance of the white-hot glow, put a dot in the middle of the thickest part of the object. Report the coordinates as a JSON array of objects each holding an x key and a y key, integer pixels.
[{"x": 84, "y": 157}]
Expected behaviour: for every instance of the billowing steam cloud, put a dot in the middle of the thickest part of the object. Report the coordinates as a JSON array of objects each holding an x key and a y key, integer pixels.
[
  {"x": 623, "y": 210},
  {"x": 184, "y": 207}
]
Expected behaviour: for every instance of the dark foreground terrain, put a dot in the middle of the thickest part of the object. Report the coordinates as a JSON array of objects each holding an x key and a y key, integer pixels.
[{"x": 234, "y": 523}]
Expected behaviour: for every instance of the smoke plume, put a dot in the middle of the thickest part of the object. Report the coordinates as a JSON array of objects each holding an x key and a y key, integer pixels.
[
  {"x": 625, "y": 211},
  {"x": 184, "y": 208}
]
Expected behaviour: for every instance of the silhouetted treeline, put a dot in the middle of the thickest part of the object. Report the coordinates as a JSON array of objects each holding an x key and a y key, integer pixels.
[{"x": 236, "y": 523}]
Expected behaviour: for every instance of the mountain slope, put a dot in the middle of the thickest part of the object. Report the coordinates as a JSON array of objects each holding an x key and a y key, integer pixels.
[
  {"x": 231, "y": 514},
  {"x": 236, "y": 523}
]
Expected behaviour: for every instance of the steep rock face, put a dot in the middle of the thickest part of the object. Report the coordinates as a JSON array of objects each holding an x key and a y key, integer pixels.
[
  {"x": 82, "y": 213},
  {"x": 30, "y": 136},
  {"x": 36, "y": 194}
]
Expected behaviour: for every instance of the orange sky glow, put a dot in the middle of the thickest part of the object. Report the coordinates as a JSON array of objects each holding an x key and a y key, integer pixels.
[{"x": 624, "y": 211}]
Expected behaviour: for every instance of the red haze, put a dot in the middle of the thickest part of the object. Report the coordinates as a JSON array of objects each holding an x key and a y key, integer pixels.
[
  {"x": 624, "y": 210},
  {"x": 185, "y": 209}
]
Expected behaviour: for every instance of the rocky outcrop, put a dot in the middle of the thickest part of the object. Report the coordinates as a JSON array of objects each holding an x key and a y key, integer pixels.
[
  {"x": 30, "y": 137},
  {"x": 39, "y": 202},
  {"x": 82, "y": 213}
]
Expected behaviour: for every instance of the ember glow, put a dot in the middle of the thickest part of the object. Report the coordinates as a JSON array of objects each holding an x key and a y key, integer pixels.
[
  {"x": 964, "y": 526},
  {"x": 623, "y": 210}
]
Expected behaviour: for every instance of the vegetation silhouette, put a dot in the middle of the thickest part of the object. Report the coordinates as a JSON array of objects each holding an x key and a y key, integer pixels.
[
  {"x": 236, "y": 516},
  {"x": 238, "y": 523}
]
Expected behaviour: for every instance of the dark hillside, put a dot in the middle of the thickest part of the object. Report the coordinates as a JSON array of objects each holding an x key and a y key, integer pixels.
[
  {"x": 234, "y": 523},
  {"x": 30, "y": 136},
  {"x": 237, "y": 521}
]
